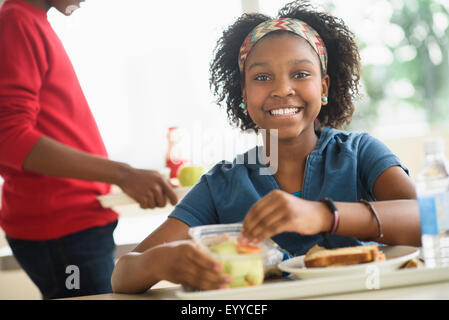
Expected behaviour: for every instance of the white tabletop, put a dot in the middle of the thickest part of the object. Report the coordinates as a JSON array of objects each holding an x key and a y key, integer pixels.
[{"x": 432, "y": 291}]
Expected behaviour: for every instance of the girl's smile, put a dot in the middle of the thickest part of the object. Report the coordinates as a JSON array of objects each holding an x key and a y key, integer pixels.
[
  {"x": 283, "y": 84},
  {"x": 285, "y": 112}
]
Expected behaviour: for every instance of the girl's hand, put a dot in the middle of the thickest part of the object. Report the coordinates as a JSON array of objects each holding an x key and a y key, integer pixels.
[
  {"x": 148, "y": 187},
  {"x": 185, "y": 263},
  {"x": 280, "y": 212}
]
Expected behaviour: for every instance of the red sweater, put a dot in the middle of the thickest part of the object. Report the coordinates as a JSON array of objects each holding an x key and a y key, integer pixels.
[{"x": 40, "y": 96}]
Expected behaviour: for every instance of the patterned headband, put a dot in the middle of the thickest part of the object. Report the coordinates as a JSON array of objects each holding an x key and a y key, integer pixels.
[{"x": 296, "y": 26}]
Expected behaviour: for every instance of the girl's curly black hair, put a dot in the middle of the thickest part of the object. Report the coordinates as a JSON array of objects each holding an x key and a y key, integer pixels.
[{"x": 343, "y": 64}]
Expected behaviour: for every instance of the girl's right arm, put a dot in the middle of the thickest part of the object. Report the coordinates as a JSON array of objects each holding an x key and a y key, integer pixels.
[{"x": 167, "y": 254}]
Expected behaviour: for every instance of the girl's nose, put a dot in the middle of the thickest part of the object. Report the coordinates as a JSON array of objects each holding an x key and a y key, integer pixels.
[{"x": 282, "y": 88}]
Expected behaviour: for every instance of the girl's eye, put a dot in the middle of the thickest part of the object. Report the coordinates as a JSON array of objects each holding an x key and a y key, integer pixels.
[
  {"x": 262, "y": 77},
  {"x": 300, "y": 75}
]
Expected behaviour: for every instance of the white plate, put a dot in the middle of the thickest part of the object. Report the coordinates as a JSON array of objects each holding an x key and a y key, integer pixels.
[
  {"x": 396, "y": 256},
  {"x": 121, "y": 198}
]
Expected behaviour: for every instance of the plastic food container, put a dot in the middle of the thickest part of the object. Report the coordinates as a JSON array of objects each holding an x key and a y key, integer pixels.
[{"x": 244, "y": 268}]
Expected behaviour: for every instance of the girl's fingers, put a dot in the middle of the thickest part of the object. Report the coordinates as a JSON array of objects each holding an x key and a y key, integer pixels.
[
  {"x": 184, "y": 262},
  {"x": 210, "y": 279},
  {"x": 199, "y": 257},
  {"x": 258, "y": 212},
  {"x": 278, "y": 226},
  {"x": 266, "y": 227},
  {"x": 205, "y": 280},
  {"x": 205, "y": 272},
  {"x": 203, "y": 260},
  {"x": 263, "y": 202},
  {"x": 273, "y": 211}
]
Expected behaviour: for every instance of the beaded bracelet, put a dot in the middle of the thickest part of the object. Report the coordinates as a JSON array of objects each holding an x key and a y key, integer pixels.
[
  {"x": 373, "y": 211},
  {"x": 330, "y": 204}
]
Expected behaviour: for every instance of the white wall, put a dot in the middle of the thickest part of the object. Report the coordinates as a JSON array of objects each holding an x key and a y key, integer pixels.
[{"x": 144, "y": 66}]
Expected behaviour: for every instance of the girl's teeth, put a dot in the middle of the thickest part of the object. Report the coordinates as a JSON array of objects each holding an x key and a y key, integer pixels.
[{"x": 284, "y": 111}]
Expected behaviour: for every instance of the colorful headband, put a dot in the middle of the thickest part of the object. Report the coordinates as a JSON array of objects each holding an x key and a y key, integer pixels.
[{"x": 296, "y": 26}]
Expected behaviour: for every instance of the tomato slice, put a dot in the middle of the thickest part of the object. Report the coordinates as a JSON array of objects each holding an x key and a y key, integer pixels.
[{"x": 246, "y": 248}]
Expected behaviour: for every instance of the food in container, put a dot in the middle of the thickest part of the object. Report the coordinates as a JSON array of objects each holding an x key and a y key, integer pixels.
[{"x": 246, "y": 264}]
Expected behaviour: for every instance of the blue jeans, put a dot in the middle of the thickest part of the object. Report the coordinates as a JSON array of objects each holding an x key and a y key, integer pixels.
[{"x": 74, "y": 265}]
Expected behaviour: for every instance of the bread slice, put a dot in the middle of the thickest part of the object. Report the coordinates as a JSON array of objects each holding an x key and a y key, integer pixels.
[
  {"x": 413, "y": 263},
  {"x": 319, "y": 257}
]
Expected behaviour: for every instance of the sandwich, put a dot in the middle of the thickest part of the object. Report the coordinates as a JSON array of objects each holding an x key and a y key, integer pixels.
[
  {"x": 412, "y": 263},
  {"x": 319, "y": 257}
]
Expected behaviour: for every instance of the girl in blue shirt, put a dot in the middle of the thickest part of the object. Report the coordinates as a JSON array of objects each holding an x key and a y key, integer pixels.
[{"x": 288, "y": 74}]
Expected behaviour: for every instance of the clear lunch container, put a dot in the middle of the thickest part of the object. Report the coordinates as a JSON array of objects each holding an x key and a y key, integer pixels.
[{"x": 268, "y": 258}]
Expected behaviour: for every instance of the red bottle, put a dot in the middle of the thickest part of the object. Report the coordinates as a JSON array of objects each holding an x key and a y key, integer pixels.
[{"x": 173, "y": 157}]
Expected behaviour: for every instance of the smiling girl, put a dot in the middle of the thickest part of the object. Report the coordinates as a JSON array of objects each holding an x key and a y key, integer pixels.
[{"x": 297, "y": 74}]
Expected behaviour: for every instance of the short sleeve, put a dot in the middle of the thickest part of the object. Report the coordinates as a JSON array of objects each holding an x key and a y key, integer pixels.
[
  {"x": 197, "y": 207},
  {"x": 374, "y": 157}
]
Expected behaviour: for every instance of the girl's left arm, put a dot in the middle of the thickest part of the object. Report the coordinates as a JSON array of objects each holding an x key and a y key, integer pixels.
[{"x": 396, "y": 206}]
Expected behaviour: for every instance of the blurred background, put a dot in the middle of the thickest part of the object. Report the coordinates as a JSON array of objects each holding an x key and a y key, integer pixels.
[{"x": 144, "y": 67}]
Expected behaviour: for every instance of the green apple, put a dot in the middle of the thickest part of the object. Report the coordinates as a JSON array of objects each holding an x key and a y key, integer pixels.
[
  {"x": 225, "y": 247},
  {"x": 244, "y": 271},
  {"x": 238, "y": 281},
  {"x": 189, "y": 175},
  {"x": 255, "y": 274}
]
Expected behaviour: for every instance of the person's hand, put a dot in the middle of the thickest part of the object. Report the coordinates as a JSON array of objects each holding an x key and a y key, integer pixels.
[
  {"x": 148, "y": 187},
  {"x": 185, "y": 263},
  {"x": 280, "y": 212}
]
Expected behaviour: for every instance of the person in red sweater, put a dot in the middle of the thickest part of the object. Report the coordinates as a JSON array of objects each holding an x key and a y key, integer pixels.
[{"x": 54, "y": 162}]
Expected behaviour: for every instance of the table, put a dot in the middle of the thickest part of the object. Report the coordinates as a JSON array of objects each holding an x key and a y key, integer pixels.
[{"x": 438, "y": 290}]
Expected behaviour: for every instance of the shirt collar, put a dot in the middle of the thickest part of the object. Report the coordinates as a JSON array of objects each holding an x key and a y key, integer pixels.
[{"x": 252, "y": 158}]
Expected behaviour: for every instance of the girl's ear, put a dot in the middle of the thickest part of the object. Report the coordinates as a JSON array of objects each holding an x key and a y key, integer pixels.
[
  {"x": 325, "y": 83},
  {"x": 244, "y": 94}
]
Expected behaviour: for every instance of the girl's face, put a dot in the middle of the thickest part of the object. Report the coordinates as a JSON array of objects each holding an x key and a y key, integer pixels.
[
  {"x": 283, "y": 85},
  {"x": 66, "y": 7}
]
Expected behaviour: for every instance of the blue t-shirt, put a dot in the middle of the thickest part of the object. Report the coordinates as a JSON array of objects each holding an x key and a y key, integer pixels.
[{"x": 343, "y": 166}]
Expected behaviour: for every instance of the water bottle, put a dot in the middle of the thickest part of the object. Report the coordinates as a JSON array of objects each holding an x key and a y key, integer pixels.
[{"x": 432, "y": 184}]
